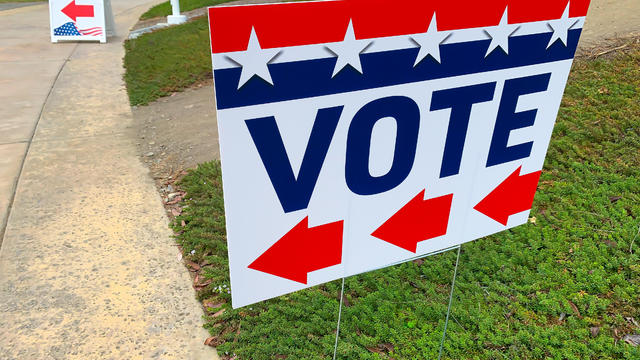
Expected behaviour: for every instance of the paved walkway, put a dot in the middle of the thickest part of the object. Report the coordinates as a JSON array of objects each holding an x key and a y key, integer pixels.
[
  {"x": 88, "y": 269},
  {"x": 14, "y": 5},
  {"x": 609, "y": 19}
]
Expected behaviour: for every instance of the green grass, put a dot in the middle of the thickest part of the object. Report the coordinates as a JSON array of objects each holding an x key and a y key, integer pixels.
[
  {"x": 169, "y": 60},
  {"x": 513, "y": 288},
  {"x": 164, "y": 9},
  {"x": 166, "y": 61}
]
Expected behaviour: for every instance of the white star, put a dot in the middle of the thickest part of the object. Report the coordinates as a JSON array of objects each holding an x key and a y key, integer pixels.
[
  {"x": 500, "y": 34},
  {"x": 254, "y": 61},
  {"x": 429, "y": 42},
  {"x": 348, "y": 51},
  {"x": 561, "y": 27}
]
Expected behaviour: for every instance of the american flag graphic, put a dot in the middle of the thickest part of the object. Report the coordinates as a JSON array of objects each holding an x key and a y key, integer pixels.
[{"x": 70, "y": 29}]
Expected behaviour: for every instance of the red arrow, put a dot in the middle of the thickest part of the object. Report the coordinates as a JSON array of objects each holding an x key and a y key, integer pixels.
[
  {"x": 417, "y": 221},
  {"x": 303, "y": 250},
  {"x": 75, "y": 11},
  {"x": 515, "y": 194}
]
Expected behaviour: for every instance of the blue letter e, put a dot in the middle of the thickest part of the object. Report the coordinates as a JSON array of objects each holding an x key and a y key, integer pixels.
[{"x": 508, "y": 119}]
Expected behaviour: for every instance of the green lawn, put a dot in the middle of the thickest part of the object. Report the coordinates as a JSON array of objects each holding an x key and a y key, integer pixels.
[
  {"x": 164, "y": 9},
  {"x": 566, "y": 287},
  {"x": 167, "y": 60}
]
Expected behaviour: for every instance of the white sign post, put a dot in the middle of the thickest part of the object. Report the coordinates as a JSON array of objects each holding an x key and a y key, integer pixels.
[
  {"x": 77, "y": 20},
  {"x": 111, "y": 21},
  {"x": 176, "y": 18},
  {"x": 350, "y": 143}
]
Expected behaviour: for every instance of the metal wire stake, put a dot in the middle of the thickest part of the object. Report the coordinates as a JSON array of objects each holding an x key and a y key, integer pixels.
[
  {"x": 446, "y": 322},
  {"x": 335, "y": 348}
]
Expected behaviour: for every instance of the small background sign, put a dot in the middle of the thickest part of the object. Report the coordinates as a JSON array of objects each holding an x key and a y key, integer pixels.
[{"x": 77, "y": 20}]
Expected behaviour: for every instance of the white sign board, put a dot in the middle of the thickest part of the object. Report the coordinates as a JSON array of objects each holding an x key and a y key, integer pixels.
[
  {"x": 350, "y": 143},
  {"x": 77, "y": 20}
]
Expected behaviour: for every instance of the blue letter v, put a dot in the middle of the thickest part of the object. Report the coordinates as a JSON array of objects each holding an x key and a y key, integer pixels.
[{"x": 294, "y": 193}]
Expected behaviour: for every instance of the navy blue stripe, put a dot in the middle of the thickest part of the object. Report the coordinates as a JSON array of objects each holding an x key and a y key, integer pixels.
[{"x": 303, "y": 79}]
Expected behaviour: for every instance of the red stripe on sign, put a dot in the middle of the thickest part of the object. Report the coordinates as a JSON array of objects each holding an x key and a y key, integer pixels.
[
  {"x": 278, "y": 25},
  {"x": 305, "y": 23},
  {"x": 540, "y": 10}
]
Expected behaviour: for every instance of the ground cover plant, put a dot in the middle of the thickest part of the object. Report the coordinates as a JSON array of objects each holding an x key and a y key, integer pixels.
[{"x": 564, "y": 286}]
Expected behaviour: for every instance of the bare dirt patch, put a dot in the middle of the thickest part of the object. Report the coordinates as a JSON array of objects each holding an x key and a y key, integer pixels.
[
  {"x": 177, "y": 132},
  {"x": 610, "y": 19}
]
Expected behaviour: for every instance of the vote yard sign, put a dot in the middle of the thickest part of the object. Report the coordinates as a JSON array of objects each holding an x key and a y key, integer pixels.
[
  {"x": 360, "y": 134},
  {"x": 77, "y": 20}
]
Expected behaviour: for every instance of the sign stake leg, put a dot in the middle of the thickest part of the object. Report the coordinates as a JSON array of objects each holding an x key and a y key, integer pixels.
[
  {"x": 335, "y": 348},
  {"x": 446, "y": 322}
]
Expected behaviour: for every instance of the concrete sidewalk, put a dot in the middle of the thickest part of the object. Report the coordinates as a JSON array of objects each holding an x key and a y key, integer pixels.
[
  {"x": 88, "y": 268},
  {"x": 29, "y": 66}
]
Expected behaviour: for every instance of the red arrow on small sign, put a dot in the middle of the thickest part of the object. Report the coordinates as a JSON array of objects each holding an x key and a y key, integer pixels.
[
  {"x": 515, "y": 194},
  {"x": 417, "y": 221},
  {"x": 303, "y": 250},
  {"x": 75, "y": 11}
]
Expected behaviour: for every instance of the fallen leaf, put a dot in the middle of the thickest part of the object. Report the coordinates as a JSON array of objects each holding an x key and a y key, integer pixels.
[
  {"x": 595, "y": 331},
  {"x": 212, "y": 305},
  {"x": 615, "y": 198},
  {"x": 219, "y": 313},
  {"x": 387, "y": 346},
  {"x": 205, "y": 263},
  {"x": 381, "y": 348},
  {"x": 418, "y": 262},
  {"x": 575, "y": 309},
  {"x": 210, "y": 341},
  {"x": 176, "y": 211},
  {"x": 374, "y": 350},
  {"x": 633, "y": 321},
  {"x": 200, "y": 286},
  {"x": 510, "y": 314},
  {"x": 192, "y": 265},
  {"x": 175, "y": 200},
  {"x": 183, "y": 224},
  {"x": 633, "y": 340}
]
